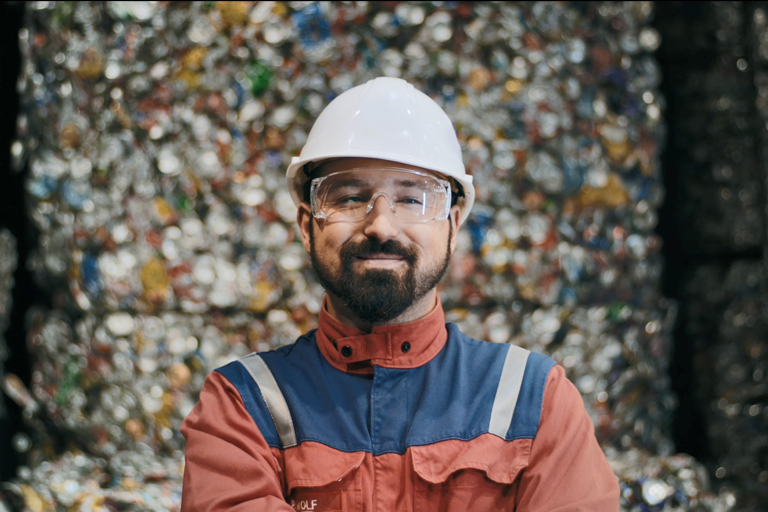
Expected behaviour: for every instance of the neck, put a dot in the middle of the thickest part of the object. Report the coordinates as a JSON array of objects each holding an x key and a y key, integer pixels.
[{"x": 419, "y": 309}]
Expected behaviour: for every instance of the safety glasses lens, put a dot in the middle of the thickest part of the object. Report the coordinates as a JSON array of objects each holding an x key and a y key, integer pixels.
[{"x": 350, "y": 195}]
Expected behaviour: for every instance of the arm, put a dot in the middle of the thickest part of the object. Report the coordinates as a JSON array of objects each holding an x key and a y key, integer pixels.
[
  {"x": 229, "y": 465},
  {"x": 567, "y": 471}
]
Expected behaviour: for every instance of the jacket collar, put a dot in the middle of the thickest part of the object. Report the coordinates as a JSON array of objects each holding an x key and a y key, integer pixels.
[{"x": 407, "y": 345}]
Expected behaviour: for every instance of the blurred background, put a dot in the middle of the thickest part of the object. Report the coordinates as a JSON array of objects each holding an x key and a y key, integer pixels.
[{"x": 147, "y": 237}]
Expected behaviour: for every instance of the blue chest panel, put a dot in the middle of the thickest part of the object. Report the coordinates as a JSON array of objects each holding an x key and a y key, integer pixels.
[
  {"x": 451, "y": 397},
  {"x": 327, "y": 405}
]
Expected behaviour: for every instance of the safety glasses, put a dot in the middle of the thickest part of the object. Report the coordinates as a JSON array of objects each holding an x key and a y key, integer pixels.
[{"x": 350, "y": 195}]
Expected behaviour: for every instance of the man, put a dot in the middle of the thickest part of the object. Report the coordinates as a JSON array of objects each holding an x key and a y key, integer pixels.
[{"x": 385, "y": 406}]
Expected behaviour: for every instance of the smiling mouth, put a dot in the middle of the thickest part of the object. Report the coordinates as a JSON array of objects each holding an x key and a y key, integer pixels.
[{"x": 383, "y": 257}]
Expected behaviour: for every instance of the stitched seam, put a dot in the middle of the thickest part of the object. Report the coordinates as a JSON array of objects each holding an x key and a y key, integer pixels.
[
  {"x": 480, "y": 467},
  {"x": 316, "y": 481},
  {"x": 543, "y": 392},
  {"x": 370, "y": 448}
]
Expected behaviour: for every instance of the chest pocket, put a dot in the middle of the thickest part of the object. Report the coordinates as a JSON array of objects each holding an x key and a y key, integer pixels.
[
  {"x": 321, "y": 479},
  {"x": 482, "y": 474}
]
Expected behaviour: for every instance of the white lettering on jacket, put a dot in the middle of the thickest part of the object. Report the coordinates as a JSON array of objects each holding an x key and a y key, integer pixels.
[{"x": 304, "y": 504}]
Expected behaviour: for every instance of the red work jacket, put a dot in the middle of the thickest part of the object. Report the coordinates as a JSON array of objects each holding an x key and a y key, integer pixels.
[{"x": 410, "y": 417}]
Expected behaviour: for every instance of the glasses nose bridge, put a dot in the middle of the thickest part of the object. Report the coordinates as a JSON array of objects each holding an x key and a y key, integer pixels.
[{"x": 375, "y": 198}]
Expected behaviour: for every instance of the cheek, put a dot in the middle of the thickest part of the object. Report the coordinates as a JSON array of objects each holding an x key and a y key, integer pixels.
[
  {"x": 329, "y": 240},
  {"x": 438, "y": 237},
  {"x": 432, "y": 246}
]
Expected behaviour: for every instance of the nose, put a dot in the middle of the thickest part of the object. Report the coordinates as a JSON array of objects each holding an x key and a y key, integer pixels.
[{"x": 380, "y": 223}]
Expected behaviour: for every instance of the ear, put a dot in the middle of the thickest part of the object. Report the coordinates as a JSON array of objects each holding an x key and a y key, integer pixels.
[
  {"x": 453, "y": 217},
  {"x": 304, "y": 218}
]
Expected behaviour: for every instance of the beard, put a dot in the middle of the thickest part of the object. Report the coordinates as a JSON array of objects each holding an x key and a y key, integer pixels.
[{"x": 378, "y": 295}]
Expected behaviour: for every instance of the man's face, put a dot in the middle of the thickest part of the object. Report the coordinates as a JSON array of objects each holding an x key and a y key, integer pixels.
[{"x": 377, "y": 266}]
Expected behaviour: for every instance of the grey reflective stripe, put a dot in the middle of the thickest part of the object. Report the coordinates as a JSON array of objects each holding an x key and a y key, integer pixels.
[
  {"x": 273, "y": 397},
  {"x": 509, "y": 389}
]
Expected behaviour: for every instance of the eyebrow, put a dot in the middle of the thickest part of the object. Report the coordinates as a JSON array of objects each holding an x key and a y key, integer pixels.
[
  {"x": 406, "y": 183},
  {"x": 351, "y": 182}
]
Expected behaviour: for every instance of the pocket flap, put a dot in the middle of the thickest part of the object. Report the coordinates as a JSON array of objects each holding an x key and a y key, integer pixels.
[
  {"x": 313, "y": 464},
  {"x": 500, "y": 460}
]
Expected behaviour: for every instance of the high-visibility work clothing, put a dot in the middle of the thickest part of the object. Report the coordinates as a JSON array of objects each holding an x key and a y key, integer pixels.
[{"x": 410, "y": 417}]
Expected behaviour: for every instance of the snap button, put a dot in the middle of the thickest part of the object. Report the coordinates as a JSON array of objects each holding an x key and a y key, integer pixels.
[
  {"x": 405, "y": 347},
  {"x": 346, "y": 351}
]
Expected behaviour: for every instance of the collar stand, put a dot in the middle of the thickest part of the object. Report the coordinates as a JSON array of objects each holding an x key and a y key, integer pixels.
[{"x": 406, "y": 345}]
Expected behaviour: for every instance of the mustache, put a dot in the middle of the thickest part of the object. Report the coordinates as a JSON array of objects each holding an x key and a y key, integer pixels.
[{"x": 370, "y": 245}]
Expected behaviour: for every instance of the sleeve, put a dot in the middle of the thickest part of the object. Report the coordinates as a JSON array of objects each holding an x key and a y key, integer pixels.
[
  {"x": 229, "y": 465},
  {"x": 567, "y": 471}
]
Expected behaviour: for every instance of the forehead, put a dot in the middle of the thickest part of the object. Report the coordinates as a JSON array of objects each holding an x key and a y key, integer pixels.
[{"x": 344, "y": 164}]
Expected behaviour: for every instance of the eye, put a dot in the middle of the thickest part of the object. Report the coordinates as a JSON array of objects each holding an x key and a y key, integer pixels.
[
  {"x": 411, "y": 200},
  {"x": 348, "y": 200}
]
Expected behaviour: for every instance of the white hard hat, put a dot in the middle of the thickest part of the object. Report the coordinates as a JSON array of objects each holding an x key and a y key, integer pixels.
[{"x": 388, "y": 119}]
